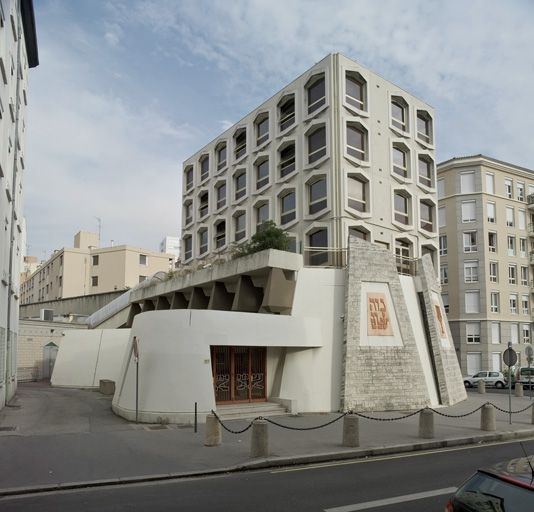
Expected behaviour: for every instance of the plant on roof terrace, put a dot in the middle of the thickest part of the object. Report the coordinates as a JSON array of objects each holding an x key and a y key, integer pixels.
[{"x": 268, "y": 236}]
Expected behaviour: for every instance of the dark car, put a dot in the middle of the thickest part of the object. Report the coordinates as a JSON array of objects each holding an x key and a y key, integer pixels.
[{"x": 506, "y": 487}]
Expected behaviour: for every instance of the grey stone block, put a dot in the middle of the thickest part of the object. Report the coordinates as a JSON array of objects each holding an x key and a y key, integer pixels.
[{"x": 259, "y": 441}]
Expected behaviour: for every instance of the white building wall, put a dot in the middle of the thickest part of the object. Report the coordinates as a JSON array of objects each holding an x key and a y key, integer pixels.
[{"x": 13, "y": 101}]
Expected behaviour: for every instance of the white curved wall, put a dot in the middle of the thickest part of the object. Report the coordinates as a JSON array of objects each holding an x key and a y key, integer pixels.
[
  {"x": 85, "y": 357},
  {"x": 175, "y": 364}
]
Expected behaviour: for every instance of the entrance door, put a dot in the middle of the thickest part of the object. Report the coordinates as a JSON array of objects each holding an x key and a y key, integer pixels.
[{"x": 239, "y": 373}]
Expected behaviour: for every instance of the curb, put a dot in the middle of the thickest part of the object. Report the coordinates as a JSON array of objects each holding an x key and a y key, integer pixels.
[{"x": 274, "y": 462}]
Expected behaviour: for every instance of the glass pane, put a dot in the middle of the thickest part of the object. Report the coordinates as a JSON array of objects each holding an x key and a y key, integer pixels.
[
  {"x": 317, "y": 140},
  {"x": 355, "y": 137},
  {"x": 316, "y": 91},
  {"x": 319, "y": 238},
  {"x": 288, "y": 202},
  {"x": 318, "y": 190}
]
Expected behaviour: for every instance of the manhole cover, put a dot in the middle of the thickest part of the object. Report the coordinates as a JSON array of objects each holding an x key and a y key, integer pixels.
[
  {"x": 157, "y": 427},
  {"x": 7, "y": 429}
]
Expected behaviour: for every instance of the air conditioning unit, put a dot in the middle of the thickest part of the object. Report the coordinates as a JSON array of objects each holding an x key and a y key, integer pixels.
[{"x": 47, "y": 315}]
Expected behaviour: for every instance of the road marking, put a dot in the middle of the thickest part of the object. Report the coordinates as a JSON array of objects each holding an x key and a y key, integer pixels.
[
  {"x": 421, "y": 453},
  {"x": 392, "y": 501}
]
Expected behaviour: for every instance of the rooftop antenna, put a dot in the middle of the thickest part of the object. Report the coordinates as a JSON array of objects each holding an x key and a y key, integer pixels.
[
  {"x": 99, "y": 229},
  {"x": 529, "y": 463}
]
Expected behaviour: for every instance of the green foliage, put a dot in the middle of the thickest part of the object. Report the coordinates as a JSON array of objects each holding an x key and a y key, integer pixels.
[{"x": 268, "y": 236}]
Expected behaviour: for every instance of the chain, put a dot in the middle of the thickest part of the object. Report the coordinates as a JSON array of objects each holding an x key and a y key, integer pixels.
[
  {"x": 512, "y": 412},
  {"x": 234, "y": 431},
  {"x": 288, "y": 427},
  {"x": 306, "y": 428},
  {"x": 458, "y": 415},
  {"x": 387, "y": 419}
]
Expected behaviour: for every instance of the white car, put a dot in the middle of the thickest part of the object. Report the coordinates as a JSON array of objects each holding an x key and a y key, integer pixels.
[{"x": 490, "y": 378}]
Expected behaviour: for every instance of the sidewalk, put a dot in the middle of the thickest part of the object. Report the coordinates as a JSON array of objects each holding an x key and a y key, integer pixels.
[{"x": 70, "y": 438}]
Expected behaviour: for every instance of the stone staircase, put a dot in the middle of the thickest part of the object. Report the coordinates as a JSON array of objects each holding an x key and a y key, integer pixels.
[{"x": 250, "y": 410}]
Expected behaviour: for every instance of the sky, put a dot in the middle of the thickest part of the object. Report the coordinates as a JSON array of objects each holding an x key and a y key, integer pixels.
[{"x": 126, "y": 90}]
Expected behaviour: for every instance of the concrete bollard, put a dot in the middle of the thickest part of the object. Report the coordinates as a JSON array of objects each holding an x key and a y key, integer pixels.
[
  {"x": 107, "y": 387},
  {"x": 518, "y": 389},
  {"x": 487, "y": 418},
  {"x": 351, "y": 430},
  {"x": 481, "y": 387},
  {"x": 213, "y": 431},
  {"x": 426, "y": 424},
  {"x": 259, "y": 441}
]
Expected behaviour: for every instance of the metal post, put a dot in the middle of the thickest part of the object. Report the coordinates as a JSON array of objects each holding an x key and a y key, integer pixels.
[
  {"x": 137, "y": 390},
  {"x": 509, "y": 389},
  {"x": 196, "y": 418}
]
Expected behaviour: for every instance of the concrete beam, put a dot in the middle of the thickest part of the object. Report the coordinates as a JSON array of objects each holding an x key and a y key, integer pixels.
[
  {"x": 163, "y": 303},
  {"x": 247, "y": 298},
  {"x": 135, "y": 309},
  {"x": 178, "y": 301},
  {"x": 279, "y": 292},
  {"x": 198, "y": 299},
  {"x": 220, "y": 298}
]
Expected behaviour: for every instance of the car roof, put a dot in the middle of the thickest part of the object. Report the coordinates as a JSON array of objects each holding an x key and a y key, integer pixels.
[{"x": 517, "y": 471}]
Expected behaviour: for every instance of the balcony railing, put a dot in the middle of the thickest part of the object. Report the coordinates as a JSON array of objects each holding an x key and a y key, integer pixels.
[
  {"x": 325, "y": 257},
  {"x": 337, "y": 258},
  {"x": 530, "y": 229},
  {"x": 530, "y": 200}
]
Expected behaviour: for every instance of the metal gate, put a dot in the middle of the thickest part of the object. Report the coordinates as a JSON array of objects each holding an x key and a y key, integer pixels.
[{"x": 239, "y": 373}]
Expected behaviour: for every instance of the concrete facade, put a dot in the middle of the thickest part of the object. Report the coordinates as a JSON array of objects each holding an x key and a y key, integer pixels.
[
  {"x": 18, "y": 53},
  {"x": 87, "y": 269},
  {"x": 306, "y": 318},
  {"x": 486, "y": 241},
  {"x": 338, "y": 150}
]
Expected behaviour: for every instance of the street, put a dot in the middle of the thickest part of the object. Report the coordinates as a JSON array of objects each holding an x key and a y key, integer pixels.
[{"x": 386, "y": 483}]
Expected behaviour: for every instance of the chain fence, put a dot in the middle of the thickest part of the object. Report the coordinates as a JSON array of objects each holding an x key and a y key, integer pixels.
[{"x": 365, "y": 416}]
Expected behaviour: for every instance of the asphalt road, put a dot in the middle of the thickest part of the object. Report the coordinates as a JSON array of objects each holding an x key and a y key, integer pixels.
[{"x": 335, "y": 487}]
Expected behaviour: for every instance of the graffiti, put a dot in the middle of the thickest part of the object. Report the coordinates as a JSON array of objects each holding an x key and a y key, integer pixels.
[
  {"x": 257, "y": 381},
  {"x": 222, "y": 382},
  {"x": 378, "y": 323},
  {"x": 241, "y": 381}
]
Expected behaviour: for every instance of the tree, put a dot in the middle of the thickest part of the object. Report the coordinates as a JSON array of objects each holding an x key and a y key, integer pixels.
[{"x": 268, "y": 236}]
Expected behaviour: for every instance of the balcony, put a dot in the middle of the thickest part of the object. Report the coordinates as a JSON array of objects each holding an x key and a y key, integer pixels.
[
  {"x": 530, "y": 201},
  {"x": 531, "y": 258},
  {"x": 530, "y": 228}
]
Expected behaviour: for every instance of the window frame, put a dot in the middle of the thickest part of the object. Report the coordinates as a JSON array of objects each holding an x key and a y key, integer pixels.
[
  {"x": 287, "y": 216},
  {"x": 316, "y": 105}
]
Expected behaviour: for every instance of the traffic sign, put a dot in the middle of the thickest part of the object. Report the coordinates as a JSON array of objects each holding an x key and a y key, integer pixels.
[{"x": 509, "y": 357}]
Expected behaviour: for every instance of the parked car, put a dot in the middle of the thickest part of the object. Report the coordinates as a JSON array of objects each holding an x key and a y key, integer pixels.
[
  {"x": 506, "y": 487},
  {"x": 522, "y": 376},
  {"x": 490, "y": 378}
]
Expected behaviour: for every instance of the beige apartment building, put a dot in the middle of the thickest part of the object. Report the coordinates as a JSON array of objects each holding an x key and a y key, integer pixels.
[
  {"x": 486, "y": 244},
  {"x": 86, "y": 269},
  {"x": 18, "y": 54},
  {"x": 338, "y": 150}
]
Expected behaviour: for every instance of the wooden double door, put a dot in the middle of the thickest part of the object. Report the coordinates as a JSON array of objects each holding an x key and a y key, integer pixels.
[{"x": 239, "y": 373}]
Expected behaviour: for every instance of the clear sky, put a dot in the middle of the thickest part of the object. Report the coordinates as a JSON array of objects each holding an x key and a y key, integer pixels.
[{"x": 128, "y": 89}]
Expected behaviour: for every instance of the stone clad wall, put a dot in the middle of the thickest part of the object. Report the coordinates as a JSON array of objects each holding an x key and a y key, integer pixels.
[
  {"x": 377, "y": 377},
  {"x": 450, "y": 381}
]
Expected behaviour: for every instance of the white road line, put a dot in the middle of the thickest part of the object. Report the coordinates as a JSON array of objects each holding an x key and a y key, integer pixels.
[{"x": 392, "y": 501}]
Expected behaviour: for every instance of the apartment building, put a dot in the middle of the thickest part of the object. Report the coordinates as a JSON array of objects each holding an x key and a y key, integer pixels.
[
  {"x": 86, "y": 269},
  {"x": 18, "y": 53},
  {"x": 486, "y": 234},
  {"x": 338, "y": 150}
]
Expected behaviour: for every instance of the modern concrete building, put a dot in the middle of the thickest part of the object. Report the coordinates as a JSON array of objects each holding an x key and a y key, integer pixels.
[
  {"x": 486, "y": 239},
  {"x": 266, "y": 327},
  {"x": 338, "y": 150},
  {"x": 86, "y": 269},
  {"x": 18, "y": 53}
]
